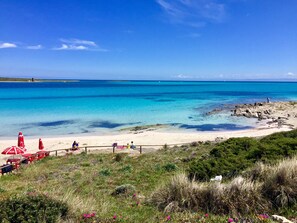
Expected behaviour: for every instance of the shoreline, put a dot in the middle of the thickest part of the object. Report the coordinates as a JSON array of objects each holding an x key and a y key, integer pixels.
[
  {"x": 143, "y": 138},
  {"x": 273, "y": 117}
]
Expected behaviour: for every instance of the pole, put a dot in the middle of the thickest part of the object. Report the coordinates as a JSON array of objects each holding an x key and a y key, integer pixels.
[
  {"x": 113, "y": 149},
  {"x": 56, "y": 152},
  {"x": 86, "y": 149},
  {"x": 140, "y": 150}
]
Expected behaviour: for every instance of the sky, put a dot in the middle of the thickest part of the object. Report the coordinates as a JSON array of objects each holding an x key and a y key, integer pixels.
[{"x": 149, "y": 39}]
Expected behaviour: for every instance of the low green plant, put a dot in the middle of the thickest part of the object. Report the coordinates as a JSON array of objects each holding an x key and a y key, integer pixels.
[
  {"x": 170, "y": 167},
  {"x": 127, "y": 168},
  {"x": 105, "y": 172},
  {"x": 85, "y": 164},
  {"x": 32, "y": 208},
  {"x": 119, "y": 157},
  {"x": 124, "y": 190},
  {"x": 2, "y": 190}
]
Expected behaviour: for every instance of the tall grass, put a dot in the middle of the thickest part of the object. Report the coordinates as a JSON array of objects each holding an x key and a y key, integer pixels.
[
  {"x": 264, "y": 187},
  {"x": 239, "y": 197},
  {"x": 279, "y": 182}
]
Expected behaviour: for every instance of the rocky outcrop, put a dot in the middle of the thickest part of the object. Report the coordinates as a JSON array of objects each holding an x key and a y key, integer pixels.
[
  {"x": 257, "y": 110},
  {"x": 278, "y": 113}
]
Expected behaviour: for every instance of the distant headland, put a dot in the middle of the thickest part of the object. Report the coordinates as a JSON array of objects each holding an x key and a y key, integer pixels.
[{"x": 17, "y": 79}]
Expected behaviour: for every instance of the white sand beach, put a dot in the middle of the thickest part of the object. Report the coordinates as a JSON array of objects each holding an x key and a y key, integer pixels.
[
  {"x": 158, "y": 137},
  {"x": 275, "y": 117}
]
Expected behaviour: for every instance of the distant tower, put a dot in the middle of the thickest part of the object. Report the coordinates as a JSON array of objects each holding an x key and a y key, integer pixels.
[{"x": 32, "y": 79}]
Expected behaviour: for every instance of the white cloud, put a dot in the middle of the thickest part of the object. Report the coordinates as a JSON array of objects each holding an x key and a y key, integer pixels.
[
  {"x": 34, "y": 47},
  {"x": 290, "y": 74},
  {"x": 71, "y": 47},
  {"x": 79, "y": 42},
  {"x": 7, "y": 45},
  {"x": 182, "y": 76},
  {"x": 193, "y": 12}
]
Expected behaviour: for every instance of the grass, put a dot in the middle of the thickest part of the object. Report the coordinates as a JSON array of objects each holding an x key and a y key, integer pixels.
[
  {"x": 263, "y": 190},
  {"x": 87, "y": 182}
]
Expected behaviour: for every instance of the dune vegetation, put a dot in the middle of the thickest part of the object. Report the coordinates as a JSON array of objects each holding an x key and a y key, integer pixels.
[{"x": 258, "y": 180}]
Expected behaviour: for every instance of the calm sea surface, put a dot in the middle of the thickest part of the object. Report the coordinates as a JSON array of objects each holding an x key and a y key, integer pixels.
[{"x": 42, "y": 109}]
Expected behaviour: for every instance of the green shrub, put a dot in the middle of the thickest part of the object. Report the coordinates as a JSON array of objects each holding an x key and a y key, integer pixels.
[
  {"x": 231, "y": 157},
  {"x": 125, "y": 190},
  {"x": 119, "y": 157},
  {"x": 127, "y": 168},
  {"x": 85, "y": 164},
  {"x": 170, "y": 167},
  {"x": 105, "y": 172},
  {"x": 2, "y": 190},
  {"x": 194, "y": 144},
  {"x": 32, "y": 208}
]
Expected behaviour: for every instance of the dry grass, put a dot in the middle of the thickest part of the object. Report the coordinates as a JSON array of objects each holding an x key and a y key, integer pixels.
[
  {"x": 280, "y": 187},
  {"x": 279, "y": 182},
  {"x": 239, "y": 197},
  {"x": 263, "y": 188}
]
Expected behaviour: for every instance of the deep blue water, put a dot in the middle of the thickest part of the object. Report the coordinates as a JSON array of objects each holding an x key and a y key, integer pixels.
[{"x": 103, "y": 106}]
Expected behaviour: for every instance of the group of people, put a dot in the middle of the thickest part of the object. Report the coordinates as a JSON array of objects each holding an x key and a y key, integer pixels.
[
  {"x": 132, "y": 146},
  {"x": 128, "y": 146},
  {"x": 75, "y": 145}
]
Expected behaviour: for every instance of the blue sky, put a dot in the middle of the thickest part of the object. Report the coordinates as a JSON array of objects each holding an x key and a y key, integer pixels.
[{"x": 149, "y": 39}]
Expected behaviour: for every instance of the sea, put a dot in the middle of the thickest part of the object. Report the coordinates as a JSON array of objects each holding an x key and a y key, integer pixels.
[{"x": 107, "y": 107}]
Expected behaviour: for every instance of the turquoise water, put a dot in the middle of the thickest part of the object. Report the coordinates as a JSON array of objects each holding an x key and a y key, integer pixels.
[{"x": 88, "y": 107}]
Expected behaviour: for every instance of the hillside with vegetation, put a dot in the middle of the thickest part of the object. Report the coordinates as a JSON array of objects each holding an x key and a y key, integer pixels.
[
  {"x": 159, "y": 186},
  {"x": 16, "y": 79}
]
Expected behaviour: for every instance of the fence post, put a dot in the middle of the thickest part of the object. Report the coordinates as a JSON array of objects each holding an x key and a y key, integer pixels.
[
  {"x": 140, "y": 150},
  {"x": 86, "y": 149},
  {"x": 56, "y": 152},
  {"x": 113, "y": 149}
]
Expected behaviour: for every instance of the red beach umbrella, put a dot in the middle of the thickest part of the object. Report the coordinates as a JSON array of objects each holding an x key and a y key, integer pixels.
[
  {"x": 41, "y": 147},
  {"x": 21, "y": 142},
  {"x": 13, "y": 150}
]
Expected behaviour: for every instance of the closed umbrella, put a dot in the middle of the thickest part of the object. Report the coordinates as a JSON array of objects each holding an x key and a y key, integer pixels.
[
  {"x": 41, "y": 147},
  {"x": 21, "y": 141}
]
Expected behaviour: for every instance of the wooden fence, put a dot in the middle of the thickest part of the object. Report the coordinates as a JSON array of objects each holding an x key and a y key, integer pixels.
[{"x": 113, "y": 149}]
